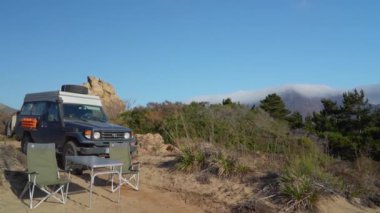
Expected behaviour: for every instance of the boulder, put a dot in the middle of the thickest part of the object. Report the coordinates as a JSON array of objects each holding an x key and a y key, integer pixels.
[
  {"x": 154, "y": 144},
  {"x": 112, "y": 103}
]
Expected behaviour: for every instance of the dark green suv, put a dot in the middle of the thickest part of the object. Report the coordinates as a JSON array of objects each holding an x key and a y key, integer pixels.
[{"x": 72, "y": 119}]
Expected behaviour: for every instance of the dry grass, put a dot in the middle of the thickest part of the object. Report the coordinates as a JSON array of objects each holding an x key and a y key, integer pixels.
[
  {"x": 11, "y": 158},
  {"x": 199, "y": 158},
  {"x": 361, "y": 180}
]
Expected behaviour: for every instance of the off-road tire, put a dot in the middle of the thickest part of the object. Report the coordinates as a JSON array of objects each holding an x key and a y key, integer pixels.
[
  {"x": 75, "y": 89},
  {"x": 26, "y": 139},
  {"x": 70, "y": 149}
]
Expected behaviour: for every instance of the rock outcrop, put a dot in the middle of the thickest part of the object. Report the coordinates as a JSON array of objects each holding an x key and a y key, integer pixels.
[
  {"x": 154, "y": 144},
  {"x": 112, "y": 104}
]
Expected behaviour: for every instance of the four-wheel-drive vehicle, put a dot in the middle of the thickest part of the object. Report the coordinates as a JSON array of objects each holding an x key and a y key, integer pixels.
[{"x": 70, "y": 118}]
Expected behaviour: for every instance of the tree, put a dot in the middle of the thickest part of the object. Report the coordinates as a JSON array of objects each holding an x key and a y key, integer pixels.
[
  {"x": 227, "y": 101},
  {"x": 274, "y": 105},
  {"x": 354, "y": 113},
  {"x": 326, "y": 120},
  {"x": 351, "y": 127},
  {"x": 295, "y": 120}
]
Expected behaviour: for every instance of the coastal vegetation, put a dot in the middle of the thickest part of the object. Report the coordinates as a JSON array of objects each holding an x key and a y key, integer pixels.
[{"x": 331, "y": 152}]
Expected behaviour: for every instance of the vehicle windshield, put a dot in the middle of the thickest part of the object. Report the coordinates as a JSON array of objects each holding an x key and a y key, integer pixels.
[{"x": 83, "y": 112}]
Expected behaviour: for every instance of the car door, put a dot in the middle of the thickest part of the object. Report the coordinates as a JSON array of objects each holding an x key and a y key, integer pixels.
[{"x": 51, "y": 126}]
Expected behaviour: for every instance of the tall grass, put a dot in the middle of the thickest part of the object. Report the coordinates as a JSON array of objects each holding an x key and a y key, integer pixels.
[
  {"x": 196, "y": 159},
  {"x": 306, "y": 176},
  {"x": 191, "y": 160}
]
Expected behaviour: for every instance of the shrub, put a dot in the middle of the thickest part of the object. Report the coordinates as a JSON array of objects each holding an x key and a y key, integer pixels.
[
  {"x": 297, "y": 185},
  {"x": 306, "y": 176},
  {"x": 186, "y": 161},
  {"x": 341, "y": 146},
  {"x": 242, "y": 169},
  {"x": 299, "y": 189},
  {"x": 225, "y": 165},
  {"x": 359, "y": 179},
  {"x": 196, "y": 159}
]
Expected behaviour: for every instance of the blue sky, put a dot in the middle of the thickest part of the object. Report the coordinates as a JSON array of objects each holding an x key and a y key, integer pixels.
[{"x": 153, "y": 51}]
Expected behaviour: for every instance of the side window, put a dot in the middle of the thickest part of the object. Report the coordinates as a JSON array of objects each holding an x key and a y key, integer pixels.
[
  {"x": 53, "y": 112},
  {"x": 38, "y": 108},
  {"x": 26, "y": 109}
]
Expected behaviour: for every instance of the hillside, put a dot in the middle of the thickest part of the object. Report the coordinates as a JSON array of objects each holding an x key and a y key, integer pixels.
[
  {"x": 6, "y": 109},
  {"x": 233, "y": 142},
  {"x": 5, "y": 114}
]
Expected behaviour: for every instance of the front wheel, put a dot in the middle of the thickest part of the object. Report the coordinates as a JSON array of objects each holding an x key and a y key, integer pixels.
[
  {"x": 24, "y": 143},
  {"x": 70, "y": 149}
]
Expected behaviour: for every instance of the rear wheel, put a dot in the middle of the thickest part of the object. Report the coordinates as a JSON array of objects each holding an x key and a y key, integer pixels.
[
  {"x": 70, "y": 149},
  {"x": 8, "y": 129}
]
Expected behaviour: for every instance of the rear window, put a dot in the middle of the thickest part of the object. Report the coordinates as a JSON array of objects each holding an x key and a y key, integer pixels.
[{"x": 33, "y": 108}]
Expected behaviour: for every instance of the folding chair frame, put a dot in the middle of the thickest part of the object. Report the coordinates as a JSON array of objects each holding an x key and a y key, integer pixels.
[
  {"x": 50, "y": 193},
  {"x": 32, "y": 183},
  {"x": 132, "y": 178}
]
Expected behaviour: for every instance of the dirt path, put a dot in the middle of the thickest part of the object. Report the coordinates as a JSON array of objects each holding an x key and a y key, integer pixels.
[{"x": 145, "y": 200}]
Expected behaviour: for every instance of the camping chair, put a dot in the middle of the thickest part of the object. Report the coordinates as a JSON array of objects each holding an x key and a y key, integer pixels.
[
  {"x": 130, "y": 171},
  {"x": 43, "y": 172}
]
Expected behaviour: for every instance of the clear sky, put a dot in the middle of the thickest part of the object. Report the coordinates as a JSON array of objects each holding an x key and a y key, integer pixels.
[{"x": 157, "y": 50}]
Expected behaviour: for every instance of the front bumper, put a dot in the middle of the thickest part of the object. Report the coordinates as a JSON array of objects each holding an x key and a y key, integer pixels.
[{"x": 104, "y": 148}]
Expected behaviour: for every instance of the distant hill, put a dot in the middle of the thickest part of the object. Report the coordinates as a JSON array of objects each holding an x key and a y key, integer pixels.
[
  {"x": 5, "y": 114},
  {"x": 6, "y": 109},
  {"x": 307, "y": 104},
  {"x": 303, "y": 98},
  {"x": 306, "y": 100}
]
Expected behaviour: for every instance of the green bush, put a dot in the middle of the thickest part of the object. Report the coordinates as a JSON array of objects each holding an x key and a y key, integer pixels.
[
  {"x": 341, "y": 146},
  {"x": 231, "y": 125}
]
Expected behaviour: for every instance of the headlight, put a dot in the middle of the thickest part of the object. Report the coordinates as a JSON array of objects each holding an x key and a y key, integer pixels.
[
  {"x": 96, "y": 135},
  {"x": 127, "y": 135}
]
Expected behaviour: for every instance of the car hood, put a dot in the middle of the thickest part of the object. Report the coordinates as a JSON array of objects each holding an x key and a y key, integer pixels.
[{"x": 95, "y": 125}]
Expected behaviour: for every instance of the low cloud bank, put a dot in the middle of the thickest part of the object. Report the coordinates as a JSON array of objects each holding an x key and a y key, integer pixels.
[{"x": 247, "y": 97}]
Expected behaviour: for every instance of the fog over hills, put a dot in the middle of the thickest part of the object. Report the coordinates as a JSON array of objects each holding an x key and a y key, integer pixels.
[{"x": 304, "y": 98}]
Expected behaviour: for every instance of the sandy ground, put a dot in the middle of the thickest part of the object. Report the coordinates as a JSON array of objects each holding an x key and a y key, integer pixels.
[
  {"x": 341, "y": 205},
  {"x": 147, "y": 199}
]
